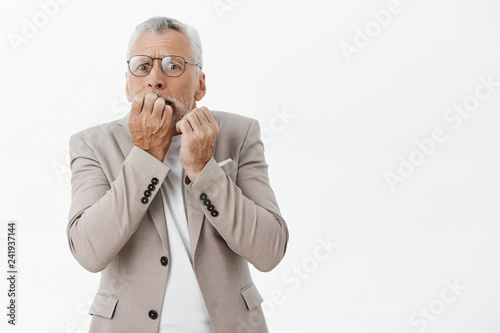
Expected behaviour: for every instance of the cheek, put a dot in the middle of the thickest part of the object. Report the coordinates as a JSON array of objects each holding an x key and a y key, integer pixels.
[
  {"x": 187, "y": 90},
  {"x": 188, "y": 96},
  {"x": 134, "y": 86}
]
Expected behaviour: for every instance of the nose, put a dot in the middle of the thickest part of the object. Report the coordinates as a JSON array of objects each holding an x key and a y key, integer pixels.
[{"x": 156, "y": 78}]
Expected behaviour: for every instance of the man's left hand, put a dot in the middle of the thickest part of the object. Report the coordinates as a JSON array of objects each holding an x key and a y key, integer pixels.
[{"x": 199, "y": 130}]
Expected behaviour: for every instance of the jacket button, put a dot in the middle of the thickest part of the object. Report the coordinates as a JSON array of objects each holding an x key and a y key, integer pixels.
[
  {"x": 211, "y": 208},
  {"x": 164, "y": 261},
  {"x": 203, "y": 196},
  {"x": 151, "y": 187},
  {"x": 147, "y": 193},
  {"x": 206, "y": 202},
  {"x": 153, "y": 314},
  {"x": 214, "y": 213},
  {"x": 154, "y": 181},
  {"x": 144, "y": 200}
]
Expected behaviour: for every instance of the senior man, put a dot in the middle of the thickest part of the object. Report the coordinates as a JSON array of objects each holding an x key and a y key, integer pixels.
[{"x": 171, "y": 202}]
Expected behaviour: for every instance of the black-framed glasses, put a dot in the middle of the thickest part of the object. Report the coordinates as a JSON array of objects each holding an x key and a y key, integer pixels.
[{"x": 172, "y": 65}]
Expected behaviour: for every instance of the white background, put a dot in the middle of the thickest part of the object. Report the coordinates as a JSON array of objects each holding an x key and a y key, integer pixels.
[{"x": 351, "y": 121}]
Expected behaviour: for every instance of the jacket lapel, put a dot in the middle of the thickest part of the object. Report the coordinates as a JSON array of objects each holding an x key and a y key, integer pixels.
[
  {"x": 195, "y": 221},
  {"x": 124, "y": 139},
  {"x": 195, "y": 214}
]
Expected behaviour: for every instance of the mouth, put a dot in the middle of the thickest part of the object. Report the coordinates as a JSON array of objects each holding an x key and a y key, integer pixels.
[{"x": 171, "y": 104}]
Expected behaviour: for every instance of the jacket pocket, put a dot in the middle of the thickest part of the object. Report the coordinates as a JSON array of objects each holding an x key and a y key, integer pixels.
[
  {"x": 103, "y": 306},
  {"x": 230, "y": 167},
  {"x": 251, "y": 296}
]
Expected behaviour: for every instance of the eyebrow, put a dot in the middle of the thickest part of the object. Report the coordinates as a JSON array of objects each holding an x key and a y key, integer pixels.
[
  {"x": 139, "y": 55},
  {"x": 171, "y": 55},
  {"x": 161, "y": 55}
]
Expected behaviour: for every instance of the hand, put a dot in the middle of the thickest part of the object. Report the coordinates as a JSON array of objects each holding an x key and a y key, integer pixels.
[
  {"x": 199, "y": 131},
  {"x": 150, "y": 124}
]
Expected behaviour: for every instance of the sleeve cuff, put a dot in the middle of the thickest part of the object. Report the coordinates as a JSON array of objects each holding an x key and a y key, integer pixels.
[
  {"x": 146, "y": 164},
  {"x": 211, "y": 174}
]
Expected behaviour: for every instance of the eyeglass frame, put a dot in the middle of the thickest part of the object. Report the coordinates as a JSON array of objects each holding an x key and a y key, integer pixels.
[{"x": 161, "y": 60}]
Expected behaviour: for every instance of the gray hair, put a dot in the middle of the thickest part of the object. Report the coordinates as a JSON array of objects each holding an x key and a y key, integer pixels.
[{"x": 162, "y": 23}]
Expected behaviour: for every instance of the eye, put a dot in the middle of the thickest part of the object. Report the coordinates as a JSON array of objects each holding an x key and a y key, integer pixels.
[
  {"x": 173, "y": 66},
  {"x": 143, "y": 67}
]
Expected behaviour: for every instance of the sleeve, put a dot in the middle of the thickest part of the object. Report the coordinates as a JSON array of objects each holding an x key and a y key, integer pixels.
[
  {"x": 104, "y": 215},
  {"x": 245, "y": 213}
]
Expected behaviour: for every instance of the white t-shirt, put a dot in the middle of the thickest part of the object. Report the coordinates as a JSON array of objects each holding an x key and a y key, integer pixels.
[{"x": 184, "y": 309}]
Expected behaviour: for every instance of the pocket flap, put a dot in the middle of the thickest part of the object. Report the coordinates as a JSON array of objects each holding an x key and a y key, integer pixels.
[
  {"x": 103, "y": 306},
  {"x": 252, "y": 296}
]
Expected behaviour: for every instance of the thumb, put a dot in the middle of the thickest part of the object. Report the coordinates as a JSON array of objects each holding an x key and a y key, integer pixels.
[{"x": 178, "y": 127}]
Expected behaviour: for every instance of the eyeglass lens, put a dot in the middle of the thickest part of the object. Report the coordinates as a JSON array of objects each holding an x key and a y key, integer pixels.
[{"x": 142, "y": 65}]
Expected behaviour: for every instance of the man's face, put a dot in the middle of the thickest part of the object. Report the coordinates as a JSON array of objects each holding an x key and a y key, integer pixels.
[{"x": 182, "y": 92}]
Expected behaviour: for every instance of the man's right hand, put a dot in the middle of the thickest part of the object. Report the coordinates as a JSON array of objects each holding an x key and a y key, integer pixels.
[{"x": 150, "y": 124}]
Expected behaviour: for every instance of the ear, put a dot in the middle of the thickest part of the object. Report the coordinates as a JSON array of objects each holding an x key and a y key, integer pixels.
[
  {"x": 127, "y": 90},
  {"x": 202, "y": 88}
]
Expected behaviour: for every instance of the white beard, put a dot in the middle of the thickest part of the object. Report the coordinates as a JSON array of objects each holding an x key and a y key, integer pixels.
[{"x": 179, "y": 110}]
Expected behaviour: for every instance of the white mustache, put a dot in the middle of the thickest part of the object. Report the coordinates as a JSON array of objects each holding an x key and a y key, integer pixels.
[
  {"x": 179, "y": 110},
  {"x": 177, "y": 107}
]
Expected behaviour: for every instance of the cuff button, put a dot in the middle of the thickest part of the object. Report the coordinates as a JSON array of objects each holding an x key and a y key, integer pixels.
[
  {"x": 155, "y": 181},
  {"x": 214, "y": 213},
  {"x": 164, "y": 261},
  {"x": 153, "y": 314},
  {"x": 144, "y": 200}
]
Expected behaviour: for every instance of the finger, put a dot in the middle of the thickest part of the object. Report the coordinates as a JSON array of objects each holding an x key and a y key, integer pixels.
[
  {"x": 194, "y": 119},
  {"x": 179, "y": 127},
  {"x": 167, "y": 112},
  {"x": 166, "y": 118},
  {"x": 158, "y": 107},
  {"x": 209, "y": 124},
  {"x": 184, "y": 127},
  {"x": 137, "y": 103},
  {"x": 149, "y": 101},
  {"x": 208, "y": 115}
]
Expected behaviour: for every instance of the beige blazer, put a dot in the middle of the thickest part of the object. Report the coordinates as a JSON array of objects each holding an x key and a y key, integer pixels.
[{"x": 115, "y": 229}]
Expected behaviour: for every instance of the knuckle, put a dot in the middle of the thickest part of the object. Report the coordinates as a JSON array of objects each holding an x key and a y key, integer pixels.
[
  {"x": 150, "y": 97},
  {"x": 136, "y": 101}
]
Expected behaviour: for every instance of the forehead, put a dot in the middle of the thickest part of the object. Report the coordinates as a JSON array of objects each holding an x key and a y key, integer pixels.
[{"x": 166, "y": 42}]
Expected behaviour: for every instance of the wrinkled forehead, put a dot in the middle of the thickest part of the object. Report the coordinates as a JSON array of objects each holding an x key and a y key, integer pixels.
[{"x": 157, "y": 44}]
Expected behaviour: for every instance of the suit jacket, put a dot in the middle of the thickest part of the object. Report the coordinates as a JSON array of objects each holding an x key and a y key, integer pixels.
[{"x": 115, "y": 229}]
